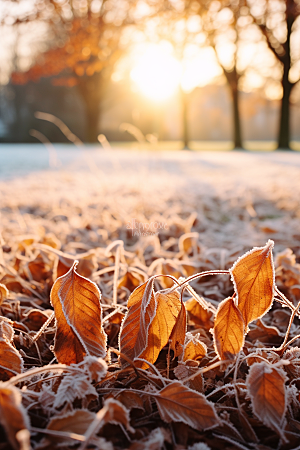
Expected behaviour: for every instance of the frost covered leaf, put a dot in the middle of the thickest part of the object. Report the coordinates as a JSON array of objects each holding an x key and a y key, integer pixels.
[
  {"x": 228, "y": 330},
  {"x": 11, "y": 362},
  {"x": 193, "y": 348},
  {"x": 131, "y": 399},
  {"x": 266, "y": 387},
  {"x": 76, "y": 302},
  {"x": 77, "y": 422},
  {"x": 253, "y": 276},
  {"x": 3, "y": 293},
  {"x": 177, "y": 403},
  {"x": 198, "y": 314},
  {"x": 96, "y": 368},
  {"x": 74, "y": 387},
  {"x": 13, "y": 416},
  {"x": 116, "y": 413},
  {"x": 185, "y": 370},
  {"x": 86, "y": 265},
  {"x": 135, "y": 327},
  {"x": 177, "y": 337},
  {"x": 167, "y": 311}
]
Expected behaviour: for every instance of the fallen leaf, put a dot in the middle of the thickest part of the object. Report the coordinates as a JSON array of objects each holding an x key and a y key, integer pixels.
[
  {"x": 167, "y": 311},
  {"x": 11, "y": 362},
  {"x": 199, "y": 315},
  {"x": 77, "y": 422},
  {"x": 185, "y": 370},
  {"x": 193, "y": 347},
  {"x": 253, "y": 276},
  {"x": 4, "y": 293},
  {"x": 266, "y": 387},
  {"x": 228, "y": 331},
  {"x": 177, "y": 337},
  {"x": 177, "y": 403},
  {"x": 76, "y": 302},
  {"x": 134, "y": 330},
  {"x": 13, "y": 417}
]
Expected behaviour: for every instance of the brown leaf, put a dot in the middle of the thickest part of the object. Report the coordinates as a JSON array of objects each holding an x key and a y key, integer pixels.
[
  {"x": 253, "y": 276},
  {"x": 13, "y": 416},
  {"x": 193, "y": 348},
  {"x": 185, "y": 370},
  {"x": 131, "y": 281},
  {"x": 167, "y": 311},
  {"x": 4, "y": 293},
  {"x": 177, "y": 337},
  {"x": 131, "y": 399},
  {"x": 264, "y": 333},
  {"x": 76, "y": 302},
  {"x": 177, "y": 403},
  {"x": 11, "y": 360},
  {"x": 199, "y": 315},
  {"x": 228, "y": 330},
  {"x": 116, "y": 413},
  {"x": 141, "y": 312},
  {"x": 77, "y": 421},
  {"x": 86, "y": 265},
  {"x": 35, "y": 318},
  {"x": 266, "y": 387}
]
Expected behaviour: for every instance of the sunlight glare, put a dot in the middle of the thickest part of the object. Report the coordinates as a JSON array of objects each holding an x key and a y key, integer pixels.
[{"x": 157, "y": 73}]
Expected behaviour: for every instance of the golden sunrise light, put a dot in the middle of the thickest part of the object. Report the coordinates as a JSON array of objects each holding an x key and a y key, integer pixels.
[{"x": 157, "y": 73}]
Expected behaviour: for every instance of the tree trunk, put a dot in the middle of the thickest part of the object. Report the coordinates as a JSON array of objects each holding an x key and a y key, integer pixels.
[
  {"x": 284, "y": 124},
  {"x": 90, "y": 90},
  {"x": 185, "y": 123},
  {"x": 232, "y": 79}
]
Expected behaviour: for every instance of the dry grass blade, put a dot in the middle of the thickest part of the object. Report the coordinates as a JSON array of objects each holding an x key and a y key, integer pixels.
[
  {"x": 253, "y": 276},
  {"x": 141, "y": 312},
  {"x": 76, "y": 302},
  {"x": 13, "y": 416},
  {"x": 177, "y": 403},
  {"x": 228, "y": 330},
  {"x": 266, "y": 386}
]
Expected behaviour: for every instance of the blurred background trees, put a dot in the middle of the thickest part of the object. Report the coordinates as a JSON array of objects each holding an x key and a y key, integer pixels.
[{"x": 158, "y": 64}]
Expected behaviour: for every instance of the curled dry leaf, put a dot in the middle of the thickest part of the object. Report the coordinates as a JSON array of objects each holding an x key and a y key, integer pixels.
[
  {"x": 185, "y": 370},
  {"x": 76, "y": 302},
  {"x": 13, "y": 416},
  {"x": 72, "y": 387},
  {"x": 149, "y": 322},
  {"x": 141, "y": 304},
  {"x": 266, "y": 387},
  {"x": 11, "y": 362},
  {"x": 177, "y": 403},
  {"x": 193, "y": 348},
  {"x": 198, "y": 314},
  {"x": 116, "y": 413},
  {"x": 177, "y": 337},
  {"x": 253, "y": 276},
  {"x": 77, "y": 422},
  {"x": 95, "y": 368},
  {"x": 228, "y": 331},
  {"x": 167, "y": 311},
  {"x": 86, "y": 265},
  {"x": 4, "y": 293}
]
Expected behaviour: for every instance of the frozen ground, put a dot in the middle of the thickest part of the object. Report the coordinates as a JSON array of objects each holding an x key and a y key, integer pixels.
[{"x": 232, "y": 199}]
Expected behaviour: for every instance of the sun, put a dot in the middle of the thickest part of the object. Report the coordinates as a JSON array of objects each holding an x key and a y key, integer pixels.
[{"x": 157, "y": 73}]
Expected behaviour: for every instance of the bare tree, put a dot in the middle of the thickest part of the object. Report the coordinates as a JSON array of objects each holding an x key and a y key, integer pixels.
[
  {"x": 84, "y": 43},
  {"x": 278, "y": 20}
]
